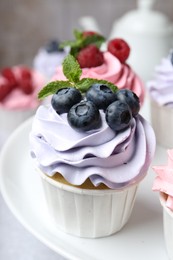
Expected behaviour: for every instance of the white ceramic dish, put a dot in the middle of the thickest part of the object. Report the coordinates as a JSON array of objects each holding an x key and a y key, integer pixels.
[{"x": 142, "y": 237}]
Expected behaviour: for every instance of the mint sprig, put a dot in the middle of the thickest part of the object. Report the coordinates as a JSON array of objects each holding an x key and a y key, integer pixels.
[
  {"x": 53, "y": 87},
  {"x": 82, "y": 41},
  {"x": 73, "y": 72},
  {"x": 84, "y": 84},
  {"x": 71, "y": 69}
]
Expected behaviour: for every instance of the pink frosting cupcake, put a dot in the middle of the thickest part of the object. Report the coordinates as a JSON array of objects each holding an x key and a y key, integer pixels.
[
  {"x": 163, "y": 183},
  {"x": 19, "y": 87},
  {"x": 109, "y": 65}
]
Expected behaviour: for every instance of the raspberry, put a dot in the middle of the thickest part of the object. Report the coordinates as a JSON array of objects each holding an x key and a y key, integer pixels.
[
  {"x": 9, "y": 75},
  {"x": 5, "y": 89},
  {"x": 119, "y": 48},
  {"x": 90, "y": 56},
  {"x": 26, "y": 86},
  {"x": 25, "y": 73},
  {"x": 88, "y": 33},
  {"x": 25, "y": 81}
]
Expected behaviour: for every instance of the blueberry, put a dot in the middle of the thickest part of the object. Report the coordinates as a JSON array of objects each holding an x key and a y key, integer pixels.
[
  {"x": 84, "y": 116},
  {"x": 101, "y": 95},
  {"x": 64, "y": 99},
  {"x": 53, "y": 46},
  {"x": 118, "y": 115},
  {"x": 130, "y": 98}
]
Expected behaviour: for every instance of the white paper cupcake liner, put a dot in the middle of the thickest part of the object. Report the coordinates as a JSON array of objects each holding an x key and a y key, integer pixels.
[
  {"x": 167, "y": 226},
  {"x": 162, "y": 122},
  {"x": 88, "y": 213}
]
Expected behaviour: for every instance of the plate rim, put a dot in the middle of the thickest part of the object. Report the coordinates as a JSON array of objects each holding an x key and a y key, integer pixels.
[
  {"x": 11, "y": 206},
  {"x": 70, "y": 254}
]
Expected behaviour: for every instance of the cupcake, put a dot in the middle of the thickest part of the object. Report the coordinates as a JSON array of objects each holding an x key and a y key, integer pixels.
[
  {"x": 161, "y": 99},
  {"x": 110, "y": 65},
  {"x": 92, "y": 149},
  {"x": 48, "y": 58},
  {"x": 19, "y": 87},
  {"x": 163, "y": 183}
]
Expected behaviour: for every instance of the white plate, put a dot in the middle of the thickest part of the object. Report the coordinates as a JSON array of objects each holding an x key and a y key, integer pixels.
[{"x": 141, "y": 238}]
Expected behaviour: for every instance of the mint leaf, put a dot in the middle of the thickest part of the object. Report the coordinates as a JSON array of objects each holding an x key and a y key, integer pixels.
[
  {"x": 71, "y": 44},
  {"x": 74, "y": 43},
  {"x": 74, "y": 51},
  {"x": 78, "y": 35},
  {"x": 84, "y": 84},
  {"x": 71, "y": 69},
  {"x": 95, "y": 39},
  {"x": 52, "y": 87}
]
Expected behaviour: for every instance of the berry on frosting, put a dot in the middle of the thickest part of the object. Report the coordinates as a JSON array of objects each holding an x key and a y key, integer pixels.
[
  {"x": 9, "y": 82},
  {"x": 130, "y": 98},
  {"x": 88, "y": 33},
  {"x": 25, "y": 73},
  {"x": 20, "y": 78},
  {"x": 5, "y": 89},
  {"x": 25, "y": 81},
  {"x": 64, "y": 99},
  {"x": 9, "y": 75},
  {"x": 119, "y": 48},
  {"x": 84, "y": 116},
  {"x": 118, "y": 115},
  {"x": 53, "y": 46},
  {"x": 101, "y": 95},
  {"x": 90, "y": 56},
  {"x": 86, "y": 48},
  {"x": 26, "y": 86}
]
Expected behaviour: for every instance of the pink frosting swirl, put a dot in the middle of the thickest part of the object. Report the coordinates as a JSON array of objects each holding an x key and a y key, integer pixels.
[
  {"x": 17, "y": 99},
  {"x": 164, "y": 179},
  {"x": 112, "y": 70}
]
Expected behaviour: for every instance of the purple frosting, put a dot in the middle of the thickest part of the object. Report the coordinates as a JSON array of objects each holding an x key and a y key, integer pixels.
[
  {"x": 161, "y": 87},
  {"x": 117, "y": 160}
]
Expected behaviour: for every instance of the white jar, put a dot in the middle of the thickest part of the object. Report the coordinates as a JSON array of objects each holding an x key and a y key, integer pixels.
[{"x": 149, "y": 34}]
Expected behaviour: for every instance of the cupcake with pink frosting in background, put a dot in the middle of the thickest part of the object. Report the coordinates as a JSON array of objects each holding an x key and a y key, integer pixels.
[
  {"x": 92, "y": 149},
  {"x": 48, "y": 58},
  {"x": 161, "y": 101},
  {"x": 19, "y": 87},
  {"x": 109, "y": 65},
  {"x": 163, "y": 184}
]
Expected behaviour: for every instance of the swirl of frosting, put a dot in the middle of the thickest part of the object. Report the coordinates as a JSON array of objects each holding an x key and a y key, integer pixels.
[
  {"x": 117, "y": 160},
  {"x": 164, "y": 179},
  {"x": 114, "y": 71},
  {"x": 160, "y": 88},
  {"x": 17, "y": 99}
]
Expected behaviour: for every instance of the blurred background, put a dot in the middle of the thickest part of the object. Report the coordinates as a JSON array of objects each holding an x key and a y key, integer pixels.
[{"x": 27, "y": 25}]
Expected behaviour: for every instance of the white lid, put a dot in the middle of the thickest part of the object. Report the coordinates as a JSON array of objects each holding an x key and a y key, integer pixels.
[{"x": 145, "y": 20}]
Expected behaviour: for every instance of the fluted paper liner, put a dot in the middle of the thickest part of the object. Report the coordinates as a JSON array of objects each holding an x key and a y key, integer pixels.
[
  {"x": 162, "y": 122},
  {"x": 167, "y": 226},
  {"x": 88, "y": 213}
]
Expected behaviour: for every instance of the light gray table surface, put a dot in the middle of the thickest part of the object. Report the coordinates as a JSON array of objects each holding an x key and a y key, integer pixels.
[{"x": 16, "y": 243}]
